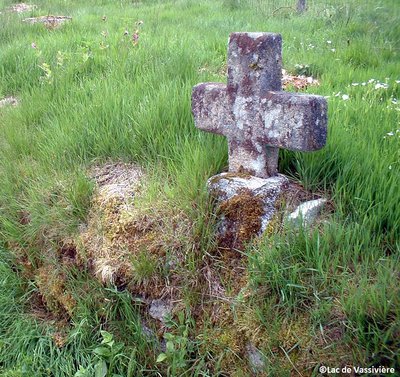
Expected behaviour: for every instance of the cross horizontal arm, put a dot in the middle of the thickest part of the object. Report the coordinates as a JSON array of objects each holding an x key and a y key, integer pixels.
[
  {"x": 293, "y": 121},
  {"x": 210, "y": 108}
]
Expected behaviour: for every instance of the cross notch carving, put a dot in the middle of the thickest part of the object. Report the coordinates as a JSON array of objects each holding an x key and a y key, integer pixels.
[{"x": 253, "y": 112}]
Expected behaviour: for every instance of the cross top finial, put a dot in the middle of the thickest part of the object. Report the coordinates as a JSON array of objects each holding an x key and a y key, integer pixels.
[
  {"x": 252, "y": 111},
  {"x": 254, "y": 64}
]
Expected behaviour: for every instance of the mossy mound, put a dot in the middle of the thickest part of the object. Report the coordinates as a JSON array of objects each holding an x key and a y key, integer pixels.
[{"x": 127, "y": 243}]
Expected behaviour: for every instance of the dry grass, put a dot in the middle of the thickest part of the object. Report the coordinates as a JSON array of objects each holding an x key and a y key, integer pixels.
[
  {"x": 297, "y": 82},
  {"x": 52, "y": 286}
]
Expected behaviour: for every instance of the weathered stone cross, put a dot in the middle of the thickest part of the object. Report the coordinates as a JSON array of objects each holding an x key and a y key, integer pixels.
[{"x": 253, "y": 112}]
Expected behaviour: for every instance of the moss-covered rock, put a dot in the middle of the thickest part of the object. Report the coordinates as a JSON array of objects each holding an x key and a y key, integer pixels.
[{"x": 246, "y": 206}]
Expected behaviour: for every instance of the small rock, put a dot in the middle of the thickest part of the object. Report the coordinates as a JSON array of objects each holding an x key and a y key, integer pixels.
[
  {"x": 306, "y": 213},
  {"x": 160, "y": 310},
  {"x": 246, "y": 205},
  {"x": 256, "y": 358}
]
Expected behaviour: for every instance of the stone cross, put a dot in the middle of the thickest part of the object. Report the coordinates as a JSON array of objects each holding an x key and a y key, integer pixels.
[{"x": 253, "y": 112}]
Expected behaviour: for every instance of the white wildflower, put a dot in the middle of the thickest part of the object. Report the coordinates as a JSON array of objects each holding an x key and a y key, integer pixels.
[
  {"x": 329, "y": 42},
  {"x": 345, "y": 97},
  {"x": 355, "y": 84},
  {"x": 333, "y": 49}
]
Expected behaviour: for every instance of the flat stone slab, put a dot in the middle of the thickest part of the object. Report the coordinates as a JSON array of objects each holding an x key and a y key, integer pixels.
[
  {"x": 21, "y": 7},
  {"x": 307, "y": 213},
  {"x": 8, "y": 101},
  {"x": 246, "y": 205},
  {"x": 48, "y": 20},
  {"x": 117, "y": 180}
]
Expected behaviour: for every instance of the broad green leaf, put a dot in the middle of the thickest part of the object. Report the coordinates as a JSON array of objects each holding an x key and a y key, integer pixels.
[
  {"x": 102, "y": 351},
  {"x": 100, "y": 370},
  {"x": 161, "y": 357},
  {"x": 169, "y": 336},
  {"x": 170, "y": 346}
]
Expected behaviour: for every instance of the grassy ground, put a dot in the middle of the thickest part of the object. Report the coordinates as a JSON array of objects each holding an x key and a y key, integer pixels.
[{"x": 90, "y": 94}]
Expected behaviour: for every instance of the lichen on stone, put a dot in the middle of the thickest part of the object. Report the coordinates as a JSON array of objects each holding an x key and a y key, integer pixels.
[{"x": 230, "y": 176}]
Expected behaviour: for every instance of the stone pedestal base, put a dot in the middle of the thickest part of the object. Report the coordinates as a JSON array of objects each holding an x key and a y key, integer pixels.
[{"x": 246, "y": 205}]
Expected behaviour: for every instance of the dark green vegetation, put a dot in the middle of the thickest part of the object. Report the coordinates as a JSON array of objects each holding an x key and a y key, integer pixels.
[{"x": 88, "y": 93}]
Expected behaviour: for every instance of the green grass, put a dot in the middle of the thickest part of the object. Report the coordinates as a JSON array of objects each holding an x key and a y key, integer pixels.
[
  {"x": 28, "y": 344},
  {"x": 88, "y": 94}
]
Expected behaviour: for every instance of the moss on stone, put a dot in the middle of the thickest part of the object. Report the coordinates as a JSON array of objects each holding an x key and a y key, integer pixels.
[
  {"x": 243, "y": 213},
  {"x": 275, "y": 224}
]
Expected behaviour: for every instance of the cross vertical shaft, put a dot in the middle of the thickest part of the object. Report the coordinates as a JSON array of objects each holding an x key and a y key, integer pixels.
[{"x": 254, "y": 69}]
